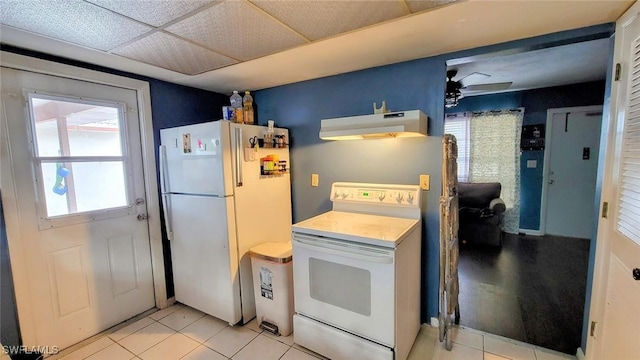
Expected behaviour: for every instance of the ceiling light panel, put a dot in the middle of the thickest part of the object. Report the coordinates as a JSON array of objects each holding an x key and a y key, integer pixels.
[
  {"x": 156, "y": 12},
  {"x": 422, "y": 5},
  {"x": 73, "y": 21},
  {"x": 168, "y": 52},
  {"x": 237, "y": 29},
  {"x": 320, "y": 19}
]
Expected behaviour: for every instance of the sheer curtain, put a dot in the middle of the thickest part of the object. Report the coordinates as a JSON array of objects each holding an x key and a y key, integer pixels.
[{"x": 493, "y": 154}]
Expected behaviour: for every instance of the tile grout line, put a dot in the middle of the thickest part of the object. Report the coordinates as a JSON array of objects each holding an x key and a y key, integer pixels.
[
  {"x": 207, "y": 339},
  {"x": 127, "y": 350},
  {"x": 247, "y": 344}
]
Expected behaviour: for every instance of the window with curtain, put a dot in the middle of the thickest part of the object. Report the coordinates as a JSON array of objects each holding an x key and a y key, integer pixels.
[{"x": 489, "y": 151}]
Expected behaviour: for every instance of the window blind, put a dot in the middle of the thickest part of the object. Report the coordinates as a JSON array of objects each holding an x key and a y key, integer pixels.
[{"x": 458, "y": 125}]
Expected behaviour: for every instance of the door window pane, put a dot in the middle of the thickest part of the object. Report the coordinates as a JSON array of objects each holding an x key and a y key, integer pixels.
[
  {"x": 80, "y": 155},
  {"x": 74, "y": 187},
  {"x": 65, "y": 128}
]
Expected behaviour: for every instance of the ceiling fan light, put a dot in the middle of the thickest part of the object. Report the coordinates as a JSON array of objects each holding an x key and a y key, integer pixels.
[
  {"x": 452, "y": 92},
  {"x": 451, "y": 98}
]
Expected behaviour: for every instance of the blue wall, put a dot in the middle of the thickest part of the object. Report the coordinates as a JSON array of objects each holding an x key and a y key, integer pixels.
[
  {"x": 171, "y": 105},
  {"x": 535, "y": 103},
  {"x": 417, "y": 84},
  {"x": 411, "y": 85}
]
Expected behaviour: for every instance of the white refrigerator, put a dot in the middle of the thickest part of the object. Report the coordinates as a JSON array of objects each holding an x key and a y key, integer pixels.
[{"x": 218, "y": 203}]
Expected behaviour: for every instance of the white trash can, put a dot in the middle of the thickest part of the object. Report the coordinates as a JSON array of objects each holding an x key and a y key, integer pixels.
[{"x": 273, "y": 286}]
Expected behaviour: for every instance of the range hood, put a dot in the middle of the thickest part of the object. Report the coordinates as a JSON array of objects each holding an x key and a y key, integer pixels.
[{"x": 412, "y": 123}]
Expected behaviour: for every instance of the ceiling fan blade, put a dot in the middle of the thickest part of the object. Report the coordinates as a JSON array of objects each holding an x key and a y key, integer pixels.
[
  {"x": 487, "y": 87},
  {"x": 474, "y": 77}
]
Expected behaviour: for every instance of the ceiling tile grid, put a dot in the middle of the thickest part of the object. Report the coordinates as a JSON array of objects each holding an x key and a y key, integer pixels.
[
  {"x": 168, "y": 52},
  {"x": 194, "y": 42},
  {"x": 317, "y": 19},
  {"x": 238, "y": 30},
  {"x": 154, "y": 12},
  {"x": 215, "y": 33},
  {"x": 73, "y": 21}
]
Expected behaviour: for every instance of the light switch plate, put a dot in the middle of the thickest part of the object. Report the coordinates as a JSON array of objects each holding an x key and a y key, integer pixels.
[
  {"x": 315, "y": 179},
  {"x": 424, "y": 182}
]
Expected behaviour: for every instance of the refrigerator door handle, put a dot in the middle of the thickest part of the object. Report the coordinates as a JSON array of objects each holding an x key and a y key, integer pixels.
[
  {"x": 239, "y": 177},
  {"x": 162, "y": 151}
]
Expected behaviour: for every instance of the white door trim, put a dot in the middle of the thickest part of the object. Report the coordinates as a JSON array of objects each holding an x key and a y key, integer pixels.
[
  {"x": 609, "y": 192},
  {"x": 547, "y": 156},
  {"x": 16, "y": 251}
]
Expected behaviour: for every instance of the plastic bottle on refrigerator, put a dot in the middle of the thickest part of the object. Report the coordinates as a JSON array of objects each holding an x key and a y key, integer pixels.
[
  {"x": 236, "y": 105},
  {"x": 247, "y": 104},
  {"x": 268, "y": 137}
]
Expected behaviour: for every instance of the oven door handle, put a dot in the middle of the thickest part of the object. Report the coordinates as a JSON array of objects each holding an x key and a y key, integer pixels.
[{"x": 344, "y": 250}]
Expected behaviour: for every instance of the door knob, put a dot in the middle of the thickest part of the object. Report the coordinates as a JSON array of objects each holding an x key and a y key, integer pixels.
[
  {"x": 551, "y": 182},
  {"x": 636, "y": 274},
  {"x": 142, "y": 217}
]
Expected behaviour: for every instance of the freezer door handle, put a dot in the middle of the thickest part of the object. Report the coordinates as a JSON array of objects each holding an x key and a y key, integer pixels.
[
  {"x": 162, "y": 151},
  {"x": 238, "y": 153}
]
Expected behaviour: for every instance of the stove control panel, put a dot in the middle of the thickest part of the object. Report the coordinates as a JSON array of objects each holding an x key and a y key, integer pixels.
[{"x": 407, "y": 195}]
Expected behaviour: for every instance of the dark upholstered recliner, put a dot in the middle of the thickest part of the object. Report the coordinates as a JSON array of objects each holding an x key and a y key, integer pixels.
[{"x": 481, "y": 213}]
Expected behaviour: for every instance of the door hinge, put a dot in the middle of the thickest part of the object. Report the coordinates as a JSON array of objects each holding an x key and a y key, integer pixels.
[
  {"x": 618, "y": 71},
  {"x": 592, "y": 331},
  {"x": 605, "y": 210}
]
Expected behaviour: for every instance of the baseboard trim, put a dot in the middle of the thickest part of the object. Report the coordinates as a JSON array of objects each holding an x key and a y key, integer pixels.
[
  {"x": 531, "y": 232},
  {"x": 580, "y": 354}
]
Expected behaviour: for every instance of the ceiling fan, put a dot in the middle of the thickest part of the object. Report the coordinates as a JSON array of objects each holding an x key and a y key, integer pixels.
[
  {"x": 456, "y": 89},
  {"x": 469, "y": 82}
]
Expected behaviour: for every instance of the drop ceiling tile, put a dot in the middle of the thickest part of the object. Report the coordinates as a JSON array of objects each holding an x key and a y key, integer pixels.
[
  {"x": 73, "y": 21},
  {"x": 237, "y": 29},
  {"x": 422, "y": 5},
  {"x": 168, "y": 52},
  {"x": 317, "y": 19},
  {"x": 156, "y": 12}
]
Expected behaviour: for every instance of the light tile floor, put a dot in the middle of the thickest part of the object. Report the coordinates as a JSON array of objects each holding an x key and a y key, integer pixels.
[
  {"x": 470, "y": 344},
  {"x": 180, "y": 332}
]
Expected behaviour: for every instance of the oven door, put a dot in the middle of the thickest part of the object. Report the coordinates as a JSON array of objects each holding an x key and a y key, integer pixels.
[{"x": 347, "y": 285}]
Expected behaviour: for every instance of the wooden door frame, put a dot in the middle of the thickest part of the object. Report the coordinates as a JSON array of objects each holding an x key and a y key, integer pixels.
[
  {"x": 17, "y": 253},
  {"x": 547, "y": 157}
]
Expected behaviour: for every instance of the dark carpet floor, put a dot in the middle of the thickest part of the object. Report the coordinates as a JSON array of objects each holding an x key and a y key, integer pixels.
[{"x": 531, "y": 290}]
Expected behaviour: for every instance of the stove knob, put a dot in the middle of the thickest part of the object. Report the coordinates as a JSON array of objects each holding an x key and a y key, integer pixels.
[
  {"x": 410, "y": 198},
  {"x": 399, "y": 198},
  {"x": 381, "y": 196},
  {"x": 336, "y": 194},
  {"x": 344, "y": 195}
]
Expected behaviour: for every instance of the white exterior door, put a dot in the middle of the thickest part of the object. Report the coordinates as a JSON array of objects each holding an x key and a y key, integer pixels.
[
  {"x": 74, "y": 196},
  {"x": 574, "y": 140},
  {"x": 615, "y": 307}
]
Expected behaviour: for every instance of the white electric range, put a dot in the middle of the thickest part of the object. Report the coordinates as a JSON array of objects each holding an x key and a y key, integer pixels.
[{"x": 357, "y": 273}]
